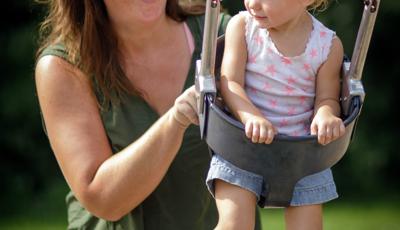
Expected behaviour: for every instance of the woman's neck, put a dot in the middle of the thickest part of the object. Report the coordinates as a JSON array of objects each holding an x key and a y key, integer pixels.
[{"x": 138, "y": 38}]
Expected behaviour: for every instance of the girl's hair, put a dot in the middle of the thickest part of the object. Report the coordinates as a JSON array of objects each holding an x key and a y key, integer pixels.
[
  {"x": 318, "y": 5},
  {"x": 83, "y": 28}
]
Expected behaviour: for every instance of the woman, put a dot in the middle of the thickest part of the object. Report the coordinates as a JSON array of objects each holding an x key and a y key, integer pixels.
[{"x": 113, "y": 80}]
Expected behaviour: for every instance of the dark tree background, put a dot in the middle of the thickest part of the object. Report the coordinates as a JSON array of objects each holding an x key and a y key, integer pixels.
[{"x": 29, "y": 174}]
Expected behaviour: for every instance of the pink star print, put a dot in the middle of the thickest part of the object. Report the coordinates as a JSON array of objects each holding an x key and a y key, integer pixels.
[
  {"x": 289, "y": 90},
  {"x": 291, "y": 80},
  {"x": 309, "y": 78},
  {"x": 267, "y": 86},
  {"x": 271, "y": 69},
  {"x": 313, "y": 53},
  {"x": 252, "y": 59},
  {"x": 322, "y": 34},
  {"x": 273, "y": 103},
  {"x": 306, "y": 67},
  {"x": 291, "y": 110},
  {"x": 283, "y": 122},
  {"x": 252, "y": 89},
  {"x": 258, "y": 39},
  {"x": 302, "y": 99},
  {"x": 286, "y": 61}
]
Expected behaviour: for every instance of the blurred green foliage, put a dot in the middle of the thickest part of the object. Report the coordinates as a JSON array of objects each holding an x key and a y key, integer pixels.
[
  {"x": 27, "y": 166},
  {"x": 28, "y": 170}
]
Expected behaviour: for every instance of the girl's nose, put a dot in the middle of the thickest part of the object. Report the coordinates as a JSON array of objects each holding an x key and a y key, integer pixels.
[{"x": 254, "y": 5}]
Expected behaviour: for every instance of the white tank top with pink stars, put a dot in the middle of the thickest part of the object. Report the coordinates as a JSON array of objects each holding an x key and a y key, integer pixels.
[{"x": 283, "y": 88}]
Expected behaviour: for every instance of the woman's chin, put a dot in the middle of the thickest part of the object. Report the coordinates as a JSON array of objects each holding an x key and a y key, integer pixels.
[{"x": 151, "y": 15}]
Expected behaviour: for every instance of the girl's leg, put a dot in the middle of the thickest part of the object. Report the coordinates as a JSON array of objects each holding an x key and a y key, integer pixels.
[
  {"x": 236, "y": 207},
  {"x": 308, "y": 217}
]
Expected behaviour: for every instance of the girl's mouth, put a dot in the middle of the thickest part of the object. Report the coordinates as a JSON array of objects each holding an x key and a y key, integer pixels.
[{"x": 259, "y": 17}]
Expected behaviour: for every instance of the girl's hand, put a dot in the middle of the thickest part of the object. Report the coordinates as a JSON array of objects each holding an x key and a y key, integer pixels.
[
  {"x": 259, "y": 130},
  {"x": 184, "y": 110},
  {"x": 327, "y": 126}
]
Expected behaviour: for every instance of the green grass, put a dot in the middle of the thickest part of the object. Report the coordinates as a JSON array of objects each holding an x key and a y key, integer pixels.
[
  {"x": 32, "y": 224},
  {"x": 338, "y": 215},
  {"x": 346, "y": 216}
]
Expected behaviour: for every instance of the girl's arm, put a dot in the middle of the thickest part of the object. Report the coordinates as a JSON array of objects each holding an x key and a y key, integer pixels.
[
  {"x": 108, "y": 185},
  {"x": 233, "y": 66},
  {"x": 326, "y": 123}
]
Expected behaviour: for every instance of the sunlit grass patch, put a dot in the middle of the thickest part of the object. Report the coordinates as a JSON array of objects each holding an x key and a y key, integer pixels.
[{"x": 344, "y": 215}]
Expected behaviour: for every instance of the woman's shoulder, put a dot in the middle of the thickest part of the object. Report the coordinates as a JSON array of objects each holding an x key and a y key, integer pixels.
[
  {"x": 53, "y": 66},
  {"x": 54, "y": 56},
  {"x": 57, "y": 49},
  {"x": 224, "y": 19},
  {"x": 54, "y": 72},
  {"x": 55, "y": 60}
]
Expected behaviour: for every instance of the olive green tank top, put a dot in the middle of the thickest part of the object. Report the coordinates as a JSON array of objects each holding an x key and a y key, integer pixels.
[{"x": 181, "y": 201}]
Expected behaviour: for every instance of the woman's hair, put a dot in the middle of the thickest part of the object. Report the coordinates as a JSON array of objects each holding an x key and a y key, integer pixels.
[
  {"x": 318, "y": 5},
  {"x": 83, "y": 28}
]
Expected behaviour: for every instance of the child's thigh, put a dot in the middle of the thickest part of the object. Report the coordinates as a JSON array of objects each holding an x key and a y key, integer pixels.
[{"x": 233, "y": 196}]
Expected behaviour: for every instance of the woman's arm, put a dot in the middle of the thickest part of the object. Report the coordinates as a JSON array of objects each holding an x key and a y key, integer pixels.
[
  {"x": 109, "y": 186},
  {"x": 233, "y": 66},
  {"x": 326, "y": 123}
]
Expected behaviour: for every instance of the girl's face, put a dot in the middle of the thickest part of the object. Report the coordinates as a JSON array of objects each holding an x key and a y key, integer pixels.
[
  {"x": 132, "y": 11},
  {"x": 275, "y": 13}
]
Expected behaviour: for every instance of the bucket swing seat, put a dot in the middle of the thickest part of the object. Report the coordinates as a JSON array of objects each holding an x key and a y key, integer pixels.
[{"x": 287, "y": 159}]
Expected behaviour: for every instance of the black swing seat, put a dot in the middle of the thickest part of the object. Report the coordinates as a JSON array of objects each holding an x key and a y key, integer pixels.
[
  {"x": 283, "y": 162},
  {"x": 288, "y": 158}
]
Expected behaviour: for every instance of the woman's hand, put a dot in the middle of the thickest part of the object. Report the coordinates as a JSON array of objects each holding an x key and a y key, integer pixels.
[
  {"x": 327, "y": 126},
  {"x": 259, "y": 130},
  {"x": 184, "y": 110}
]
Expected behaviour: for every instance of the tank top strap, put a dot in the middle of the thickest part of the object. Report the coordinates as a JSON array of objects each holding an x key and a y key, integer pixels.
[{"x": 189, "y": 37}]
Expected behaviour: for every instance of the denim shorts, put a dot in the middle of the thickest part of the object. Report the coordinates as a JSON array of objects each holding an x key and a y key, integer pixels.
[{"x": 313, "y": 189}]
